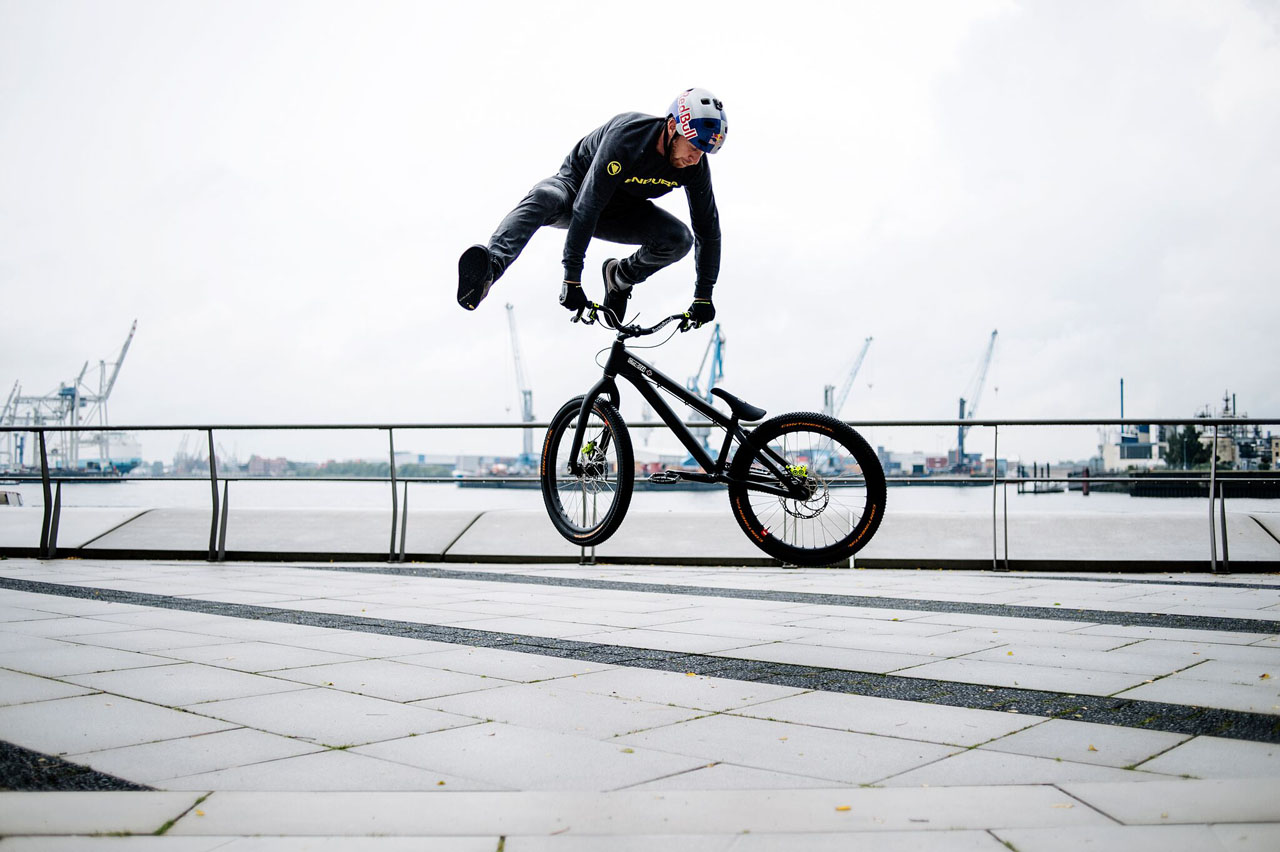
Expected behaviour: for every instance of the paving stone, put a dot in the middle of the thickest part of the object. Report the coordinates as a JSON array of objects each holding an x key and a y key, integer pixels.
[
  {"x": 132, "y": 843},
  {"x": 828, "y": 657},
  {"x": 553, "y": 707},
  {"x": 152, "y": 763},
  {"x": 66, "y": 626},
  {"x": 367, "y": 645},
  {"x": 1077, "y": 681},
  {"x": 76, "y": 659},
  {"x": 949, "y": 644},
  {"x": 935, "y": 723},
  {"x": 1198, "y": 693},
  {"x": 150, "y": 639},
  {"x": 92, "y": 722},
  {"x": 1146, "y": 665},
  {"x": 666, "y": 640},
  {"x": 97, "y": 812},
  {"x": 1086, "y": 742},
  {"x": 362, "y": 844},
  {"x": 1256, "y": 837},
  {"x": 1183, "y": 802},
  {"x": 19, "y": 688},
  {"x": 394, "y": 681},
  {"x": 797, "y": 749},
  {"x": 515, "y": 757},
  {"x": 183, "y": 684},
  {"x": 883, "y": 841},
  {"x": 331, "y": 770},
  {"x": 1214, "y": 757},
  {"x": 256, "y": 656},
  {"x": 1131, "y": 838},
  {"x": 979, "y": 768},
  {"x": 1172, "y": 633},
  {"x": 699, "y": 692},
  {"x": 507, "y": 665},
  {"x": 10, "y": 642},
  {"x": 938, "y": 811},
  {"x": 1231, "y": 672},
  {"x": 1028, "y": 637},
  {"x": 330, "y": 717},
  {"x": 729, "y": 776}
]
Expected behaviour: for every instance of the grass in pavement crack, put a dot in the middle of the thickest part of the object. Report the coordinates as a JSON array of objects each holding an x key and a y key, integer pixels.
[{"x": 170, "y": 824}]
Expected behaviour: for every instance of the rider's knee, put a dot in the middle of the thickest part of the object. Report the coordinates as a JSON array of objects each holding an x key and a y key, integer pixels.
[{"x": 679, "y": 242}]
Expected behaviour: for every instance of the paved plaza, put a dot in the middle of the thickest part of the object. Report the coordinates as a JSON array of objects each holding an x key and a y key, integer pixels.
[{"x": 247, "y": 706}]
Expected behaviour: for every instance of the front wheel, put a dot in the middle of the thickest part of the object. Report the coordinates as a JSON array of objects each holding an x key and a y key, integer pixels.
[
  {"x": 589, "y": 506},
  {"x": 841, "y": 474}
]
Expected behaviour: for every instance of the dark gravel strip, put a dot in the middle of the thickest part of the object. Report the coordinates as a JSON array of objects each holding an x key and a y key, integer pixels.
[
  {"x": 24, "y": 771},
  {"x": 1091, "y": 616},
  {"x": 1123, "y": 712}
]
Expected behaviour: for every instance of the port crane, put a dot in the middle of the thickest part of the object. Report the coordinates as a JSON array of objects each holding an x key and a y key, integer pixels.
[
  {"x": 74, "y": 403},
  {"x": 973, "y": 395},
  {"x": 526, "y": 460},
  {"x": 832, "y": 403}
]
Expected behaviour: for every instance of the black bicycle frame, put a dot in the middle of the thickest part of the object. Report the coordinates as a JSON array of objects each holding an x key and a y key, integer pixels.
[{"x": 646, "y": 379}]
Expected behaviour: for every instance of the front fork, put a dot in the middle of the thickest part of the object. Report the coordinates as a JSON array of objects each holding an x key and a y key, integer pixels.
[{"x": 605, "y": 387}]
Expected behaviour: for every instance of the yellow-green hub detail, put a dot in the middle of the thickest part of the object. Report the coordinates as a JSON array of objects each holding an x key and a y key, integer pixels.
[{"x": 798, "y": 469}]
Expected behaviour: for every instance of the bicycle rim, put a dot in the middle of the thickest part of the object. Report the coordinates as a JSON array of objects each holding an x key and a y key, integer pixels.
[
  {"x": 587, "y": 508},
  {"x": 845, "y": 483}
]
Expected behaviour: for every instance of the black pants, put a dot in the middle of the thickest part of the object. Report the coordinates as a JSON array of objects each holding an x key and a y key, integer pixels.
[{"x": 662, "y": 238}]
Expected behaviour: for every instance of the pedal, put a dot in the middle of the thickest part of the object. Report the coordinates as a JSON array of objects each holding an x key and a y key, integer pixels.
[{"x": 665, "y": 477}]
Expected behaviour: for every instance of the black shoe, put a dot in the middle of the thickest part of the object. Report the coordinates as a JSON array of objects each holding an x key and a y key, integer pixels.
[
  {"x": 475, "y": 276},
  {"x": 617, "y": 290}
]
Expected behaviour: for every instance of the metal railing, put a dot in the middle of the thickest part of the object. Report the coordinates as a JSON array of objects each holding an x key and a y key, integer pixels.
[{"x": 52, "y": 491}]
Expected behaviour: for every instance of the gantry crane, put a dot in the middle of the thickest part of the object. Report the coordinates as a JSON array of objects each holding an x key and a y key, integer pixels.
[
  {"x": 526, "y": 461},
  {"x": 832, "y": 403},
  {"x": 974, "y": 395},
  {"x": 64, "y": 407}
]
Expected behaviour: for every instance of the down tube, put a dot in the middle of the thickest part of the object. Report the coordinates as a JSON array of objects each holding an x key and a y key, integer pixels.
[{"x": 669, "y": 417}]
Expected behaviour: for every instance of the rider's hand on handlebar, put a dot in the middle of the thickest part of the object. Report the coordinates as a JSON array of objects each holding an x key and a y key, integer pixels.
[
  {"x": 701, "y": 311},
  {"x": 572, "y": 296}
]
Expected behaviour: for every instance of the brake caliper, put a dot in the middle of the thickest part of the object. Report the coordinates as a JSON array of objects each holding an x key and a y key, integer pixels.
[{"x": 798, "y": 470}]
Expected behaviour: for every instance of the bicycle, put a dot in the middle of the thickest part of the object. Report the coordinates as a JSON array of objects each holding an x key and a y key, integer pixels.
[{"x": 806, "y": 488}]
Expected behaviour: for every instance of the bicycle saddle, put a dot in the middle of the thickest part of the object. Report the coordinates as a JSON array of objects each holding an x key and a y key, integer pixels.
[{"x": 741, "y": 410}]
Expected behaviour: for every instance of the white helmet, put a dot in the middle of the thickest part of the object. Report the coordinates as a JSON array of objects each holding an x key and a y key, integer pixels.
[{"x": 700, "y": 118}]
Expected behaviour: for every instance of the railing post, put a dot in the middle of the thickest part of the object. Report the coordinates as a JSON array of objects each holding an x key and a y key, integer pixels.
[
  {"x": 222, "y": 525},
  {"x": 391, "y": 438},
  {"x": 404, "y": 520},
  {"x": 995, "y": 495},
  {"x": 53, "y": 526},
  {"x": 47, "y": 523},
  {"x": 1005, "y": 489},
  {"x": 213, "y": 486},
  {"x": 1213, "y": 484},
  {"x": 1221, "y": 505}
]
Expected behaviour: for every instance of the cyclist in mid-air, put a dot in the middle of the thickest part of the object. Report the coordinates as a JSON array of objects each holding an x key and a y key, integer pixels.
[{"x": 603, "y": 189}]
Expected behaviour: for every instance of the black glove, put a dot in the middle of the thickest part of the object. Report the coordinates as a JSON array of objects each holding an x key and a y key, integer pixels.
[
  {"x": 572, "y": 296},
  {"x": 701, "y": 311}
]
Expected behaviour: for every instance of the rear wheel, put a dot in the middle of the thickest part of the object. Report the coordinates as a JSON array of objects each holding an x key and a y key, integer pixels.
[
  {"x": 844, "y": 482},
  {"x": 587, "y": 507}
]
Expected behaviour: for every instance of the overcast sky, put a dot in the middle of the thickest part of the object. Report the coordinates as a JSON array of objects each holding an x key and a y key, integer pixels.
[{"x": 279, "y": 192}]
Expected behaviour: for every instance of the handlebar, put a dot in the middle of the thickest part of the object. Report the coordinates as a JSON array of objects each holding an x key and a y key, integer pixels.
[{"x": 606, "y": 317}]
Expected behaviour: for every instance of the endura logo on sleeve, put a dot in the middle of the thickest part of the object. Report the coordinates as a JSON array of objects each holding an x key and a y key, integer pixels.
[
  {"x": 653, "y": 182},
  {"x": 613, "y": 168}
]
